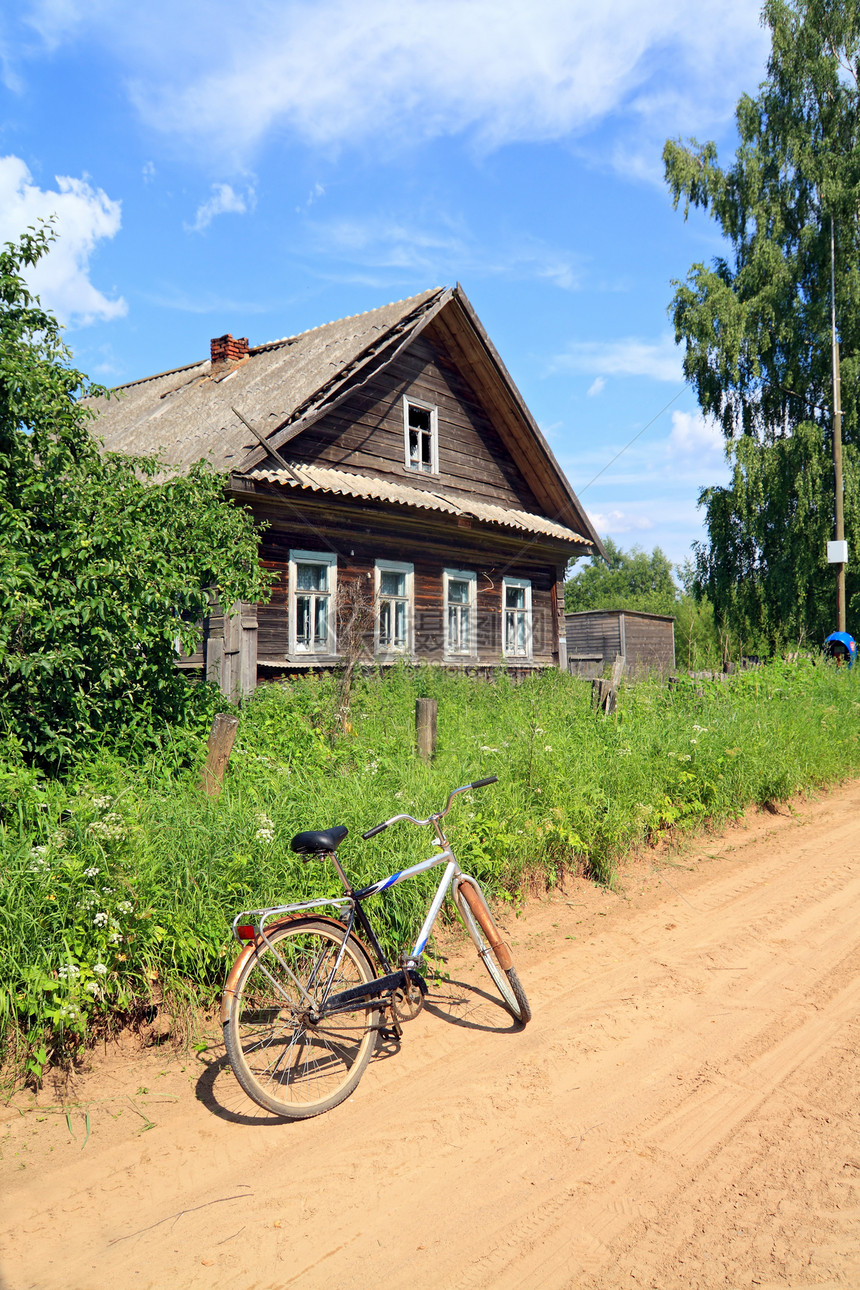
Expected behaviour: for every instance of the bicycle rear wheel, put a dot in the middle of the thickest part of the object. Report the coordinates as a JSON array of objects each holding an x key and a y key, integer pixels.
[
  {"x": 288, "y": 1062},
  {"x": 481, "y": 926}
]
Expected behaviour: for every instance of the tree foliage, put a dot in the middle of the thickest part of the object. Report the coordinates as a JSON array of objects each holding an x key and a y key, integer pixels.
[
  {"x": 756, "y": 325},
  {"x": 634, "y": 580},
  {"x": 104, "y": 561},
  {"x": 625, "y": 580}
]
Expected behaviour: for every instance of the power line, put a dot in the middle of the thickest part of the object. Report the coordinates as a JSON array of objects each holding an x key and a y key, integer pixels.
[{"x": 638, "y": 435}]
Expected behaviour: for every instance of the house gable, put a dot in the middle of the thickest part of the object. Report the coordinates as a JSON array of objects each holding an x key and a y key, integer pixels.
[
  {"x": 448, "y": 322},
  {"x": 365, "y": 433}
]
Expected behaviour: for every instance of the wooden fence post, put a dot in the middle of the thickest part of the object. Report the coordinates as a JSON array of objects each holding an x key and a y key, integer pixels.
[
  {"x": 221, "y": 738},
  {"x": 425, "y": 727},
  {"x": 604, "y": 693}
]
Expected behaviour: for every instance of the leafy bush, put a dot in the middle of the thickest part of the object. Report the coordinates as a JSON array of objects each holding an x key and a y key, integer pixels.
[{"x": 103, "y": 562}]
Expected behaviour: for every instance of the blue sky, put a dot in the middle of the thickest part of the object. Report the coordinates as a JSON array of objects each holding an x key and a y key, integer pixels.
[{"x": 265, "y": 169}]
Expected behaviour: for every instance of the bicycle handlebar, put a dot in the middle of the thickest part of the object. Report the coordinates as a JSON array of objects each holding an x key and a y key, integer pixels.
[
  {"x": 377, "y": 829},
  {"x": 478, "y": 783}
]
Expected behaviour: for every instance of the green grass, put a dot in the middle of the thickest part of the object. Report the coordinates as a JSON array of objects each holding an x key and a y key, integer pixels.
[{"x": 119, "y": 886}]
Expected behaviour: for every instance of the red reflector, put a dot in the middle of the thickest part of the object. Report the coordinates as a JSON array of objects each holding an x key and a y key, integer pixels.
[{"x": 245, "y": 932}]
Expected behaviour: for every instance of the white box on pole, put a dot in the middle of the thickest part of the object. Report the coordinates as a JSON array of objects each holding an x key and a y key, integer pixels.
[{"x": 837, "y": 552}]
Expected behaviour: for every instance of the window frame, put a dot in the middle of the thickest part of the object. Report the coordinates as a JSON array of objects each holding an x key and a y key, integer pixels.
[
  {"x": 526, "y": 585},
  {"x": 313, "y": 557},
  {"x": 408, "y": 402},
  {"x": 394, "y": 566},
  {"x": 471, "y": 577}
]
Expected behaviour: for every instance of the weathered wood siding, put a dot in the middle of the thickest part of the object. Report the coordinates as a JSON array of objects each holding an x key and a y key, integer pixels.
[
  {"x": 430, "y": 550},
  {"x": 365, "y": 434},
  {"x": 647, "y": 641},
  {"x": 595, "y": 635},
  {"x": 650, "y": 642}
]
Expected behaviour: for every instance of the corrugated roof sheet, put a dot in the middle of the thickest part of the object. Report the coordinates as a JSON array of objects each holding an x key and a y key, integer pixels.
[
  {"x": 345, "y": 484},
  {"x": 186, "y": 413}
]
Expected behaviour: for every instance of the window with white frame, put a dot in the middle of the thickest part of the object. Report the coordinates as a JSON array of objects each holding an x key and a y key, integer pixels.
[
  {"x": 313, "y": 587},
  {"x": 517, "y": 617},
  {"x": 394, "y": 584},
  {"x": 460, "y": 594},
  {"x": 421, "y": 436}
]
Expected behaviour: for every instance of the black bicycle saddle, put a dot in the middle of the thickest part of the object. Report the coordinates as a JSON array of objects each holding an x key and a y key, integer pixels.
[{"x": 317, "y": 842}]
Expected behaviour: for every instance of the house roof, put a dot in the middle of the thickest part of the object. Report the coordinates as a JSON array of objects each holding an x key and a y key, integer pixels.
[
  {"x": 346, "y": 484},
  {"x": 284, "y": 386},
  {"x": 187, "y": 413}
]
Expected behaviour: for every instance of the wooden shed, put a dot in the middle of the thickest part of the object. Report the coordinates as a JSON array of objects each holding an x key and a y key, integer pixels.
[{"x": 596, "y": 636}]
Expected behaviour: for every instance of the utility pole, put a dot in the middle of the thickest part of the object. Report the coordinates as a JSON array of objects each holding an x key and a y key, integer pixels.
[{"x": 837, "y": 551}]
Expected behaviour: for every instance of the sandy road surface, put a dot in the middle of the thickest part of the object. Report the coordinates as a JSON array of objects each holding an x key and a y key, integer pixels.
[{"x": 682, "y": 1113}]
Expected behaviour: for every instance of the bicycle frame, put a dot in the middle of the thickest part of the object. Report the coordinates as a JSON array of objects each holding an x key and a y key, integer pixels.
[
  {"x": 351, "y": 906},
  {"x": 351, "y": 903}
]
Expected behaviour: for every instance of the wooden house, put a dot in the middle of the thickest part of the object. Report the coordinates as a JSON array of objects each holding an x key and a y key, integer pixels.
[
  {"x": 595, "y": 637},
  {"x": 404, "y": 486}
]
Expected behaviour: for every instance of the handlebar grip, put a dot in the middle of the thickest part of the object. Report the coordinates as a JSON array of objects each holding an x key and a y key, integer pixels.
[
  {"x": 479, "y": 783},
  {"x": 372, "y": 832}
]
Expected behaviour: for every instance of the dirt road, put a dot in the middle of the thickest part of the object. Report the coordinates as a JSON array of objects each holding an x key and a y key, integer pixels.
[{"x": 682, "y": 1113}]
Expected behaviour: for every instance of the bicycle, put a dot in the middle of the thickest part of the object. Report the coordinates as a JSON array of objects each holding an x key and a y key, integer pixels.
[{"x": 304, "y": 1005}]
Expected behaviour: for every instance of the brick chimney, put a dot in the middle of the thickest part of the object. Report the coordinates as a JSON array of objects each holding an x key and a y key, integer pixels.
[{"x": 227, "y": 350}]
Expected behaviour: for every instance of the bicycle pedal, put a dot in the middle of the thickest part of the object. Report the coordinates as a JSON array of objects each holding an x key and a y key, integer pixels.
[{"x": 391, "y": 1034}]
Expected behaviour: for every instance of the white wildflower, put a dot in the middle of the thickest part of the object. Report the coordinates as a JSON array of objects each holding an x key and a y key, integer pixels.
[
  {"x": 100, "y": 919},
  {"x": 39, "y": 851},
  {"x": 92, "y": 987},
  {"x": 100, "y": 969},
  {"x": 685, "y": 757},
  {"x": 694, "y": 741},
  {"x": 701, "y": 730},
  {"x": 101, "y": 803},
  {"x": 92, "y": 872},
  {"x": 114, "y": 938},
  {"x": 68, "y": 971},
  {"x": 125, "y": 906},
  {"x": 265, "y": 835},
  {"x": 547, "y": 747},
  {"x": 486, "y": 748}
]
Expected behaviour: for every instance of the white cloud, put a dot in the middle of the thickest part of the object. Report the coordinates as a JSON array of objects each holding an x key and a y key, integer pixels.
[
  {"x": 596, "y": 386},
  {"x": 616, "y": 522},
  {"x": 446, "y": 251},
  {"x": 697, "y": 437},
  {"x": 224, "y": 201},
  {"x": 84, "y": 216},
  {"x": 334, "y": 71},
  {"x": 659, "y": 360}
]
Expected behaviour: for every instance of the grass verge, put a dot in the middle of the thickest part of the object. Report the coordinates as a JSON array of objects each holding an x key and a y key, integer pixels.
[{"x": 118, "y": 886}]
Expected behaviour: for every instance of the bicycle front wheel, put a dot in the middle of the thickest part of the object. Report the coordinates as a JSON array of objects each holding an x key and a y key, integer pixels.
[
  {"x": 481, "y": 926},
  {"x": 287, "y": 1057}
]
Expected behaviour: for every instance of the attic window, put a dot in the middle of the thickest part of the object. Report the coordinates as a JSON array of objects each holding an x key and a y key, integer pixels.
[{"x": 420, "y": 434}]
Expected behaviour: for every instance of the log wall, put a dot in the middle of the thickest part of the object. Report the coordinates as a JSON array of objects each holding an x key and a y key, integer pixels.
[{"x": 365, "y": 434}]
